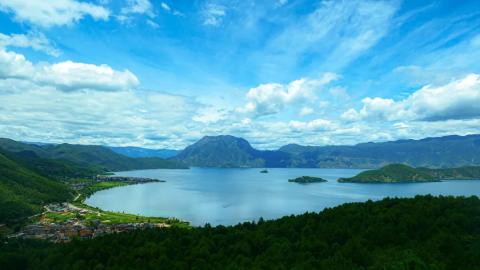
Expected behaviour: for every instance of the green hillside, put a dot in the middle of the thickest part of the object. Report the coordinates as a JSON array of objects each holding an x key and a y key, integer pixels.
[
  {"x": 393, "y": 173},
  {"x": 24, "y": 192},
  {"x": 402, "y": 173},
  {"x": 88, "y": 157},
  {"x": 54, "y": 168},
  {"x": 425, "y": 232}
]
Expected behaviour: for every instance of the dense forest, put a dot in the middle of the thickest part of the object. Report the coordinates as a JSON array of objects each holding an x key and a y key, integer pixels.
[
  {"x": 400, "y": 173},
  {"x": 23, "y": 192},
  {"x": 424, "y": 232}
]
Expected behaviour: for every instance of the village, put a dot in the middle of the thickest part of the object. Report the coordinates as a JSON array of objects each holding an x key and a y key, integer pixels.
[{"x": 63, "y": 222}]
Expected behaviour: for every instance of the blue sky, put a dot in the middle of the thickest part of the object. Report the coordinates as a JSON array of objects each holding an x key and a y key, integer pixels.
[{"x": 165, "y": 73}]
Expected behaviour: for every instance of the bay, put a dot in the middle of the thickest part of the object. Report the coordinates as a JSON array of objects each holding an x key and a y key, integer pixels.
[{"x": 229, "y": 196}]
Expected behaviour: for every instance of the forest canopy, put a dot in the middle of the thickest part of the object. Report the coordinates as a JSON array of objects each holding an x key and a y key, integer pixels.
[{"x": 424, "y": 232}]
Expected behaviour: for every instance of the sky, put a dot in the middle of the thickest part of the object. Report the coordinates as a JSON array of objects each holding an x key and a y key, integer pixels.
[{"x": 163, "y": 74}]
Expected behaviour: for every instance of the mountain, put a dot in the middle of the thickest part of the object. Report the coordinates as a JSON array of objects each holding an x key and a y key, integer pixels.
[
  {"x": 55, "y": 168},
  {"x": 229, "y": 151},
  {"x": 448, "y": 151},
  {"x": 23, "y": 192},
  {"x": 89, "y": 156},
  {"x": 396, "y": 173},
  {"x": 393, "y": 173},
  {"x": 137, "y": 152}
]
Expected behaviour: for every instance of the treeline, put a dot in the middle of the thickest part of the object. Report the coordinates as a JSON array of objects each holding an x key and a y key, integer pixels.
[{"x": 424, "y": 232}]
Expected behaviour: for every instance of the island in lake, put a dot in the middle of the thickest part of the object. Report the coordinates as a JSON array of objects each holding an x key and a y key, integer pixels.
[
  {"x": 401, "y": 173},
  {"x": 307, "y": 180}
]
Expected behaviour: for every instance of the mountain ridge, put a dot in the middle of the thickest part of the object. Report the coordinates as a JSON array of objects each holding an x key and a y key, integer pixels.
[
  {"x": 98, "y": 157},
  {"x": 434, "y": 152}
]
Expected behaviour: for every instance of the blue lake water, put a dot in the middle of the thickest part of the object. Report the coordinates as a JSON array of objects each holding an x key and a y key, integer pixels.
[{"x": 229, "y": 196}]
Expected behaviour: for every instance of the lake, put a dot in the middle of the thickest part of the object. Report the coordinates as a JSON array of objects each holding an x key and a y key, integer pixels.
[{"x": 229, "y": 196}]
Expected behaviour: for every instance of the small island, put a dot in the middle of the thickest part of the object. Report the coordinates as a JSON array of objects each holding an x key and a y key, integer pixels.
[
  {"x": 307, "y": 180},
  {"x": 264, "y": 171},
  {"x": 401, "y": 173}
]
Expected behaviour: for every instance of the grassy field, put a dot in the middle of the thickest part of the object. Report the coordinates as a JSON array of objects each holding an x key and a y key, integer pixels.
[{"x": 107, "y": 217}]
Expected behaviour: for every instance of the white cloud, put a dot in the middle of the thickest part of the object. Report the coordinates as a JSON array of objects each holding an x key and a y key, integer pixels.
[
  {"x": 351, "y": 115},
  {"x": 38, "y": 102},
  {"x": 213, "y": 14},
  {"x": 66, "y": 76},
  {"x": 272, "y": 98},
  {"x": 281, "y": 3},
  {"x": 314, "y": 125},
  {"x": 337, "y": 32},
  {"x": 153, "y": 24},
  {"x": 138, "y": 7},
  {"x": 34, "y": 40},
  {"x": 53, "y": 13},
  {"x": 13, "y": 65},
  {"x": 459, "y": 99},
  {"x": 209, "y": 115},
  {"x": 165, "y": 6},
  {"x": 306, "y": 111},
  {"x": 123, "y": 117},
  {"x": 74, "y": 76}
]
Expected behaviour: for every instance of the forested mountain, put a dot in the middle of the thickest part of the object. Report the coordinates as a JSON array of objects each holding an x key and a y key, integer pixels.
[
  {"x": 137, "y": 152},
  {"x": 88, "y": 156},
  {"x": 23, "y": 192},
  {"x": 424, "y": 232},
  {"x": 393, "y": 173},
  {"x": 229, "y": 151},
  {"x": 449, "y": 151},
  {"x": 397, "y": 173}
]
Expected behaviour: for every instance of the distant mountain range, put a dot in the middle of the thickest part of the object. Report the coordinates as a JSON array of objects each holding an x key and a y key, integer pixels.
[
  {"x": 229, "y": 151},
  {"x": 139, "y": 152},
  {"x": 71, "y": 159}
]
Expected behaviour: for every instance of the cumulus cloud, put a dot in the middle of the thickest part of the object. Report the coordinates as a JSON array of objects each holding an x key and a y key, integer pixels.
[
  {"x": 66, "y": 76},
  {"x": 272, "y": 98},
  {"x": 90, "y": 104},
  {"x": 213, "y": 14},
  {"x": 116, "y": 118},
  {"x": 13, "y": 65},
  {"x": 34, "y": 40},
  {"x": 53, "y": 13},
  {"x": 459, "y": 99}
]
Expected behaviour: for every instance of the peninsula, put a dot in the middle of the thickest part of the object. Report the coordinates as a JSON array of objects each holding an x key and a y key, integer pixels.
[{"x": 401, "y": 173}]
